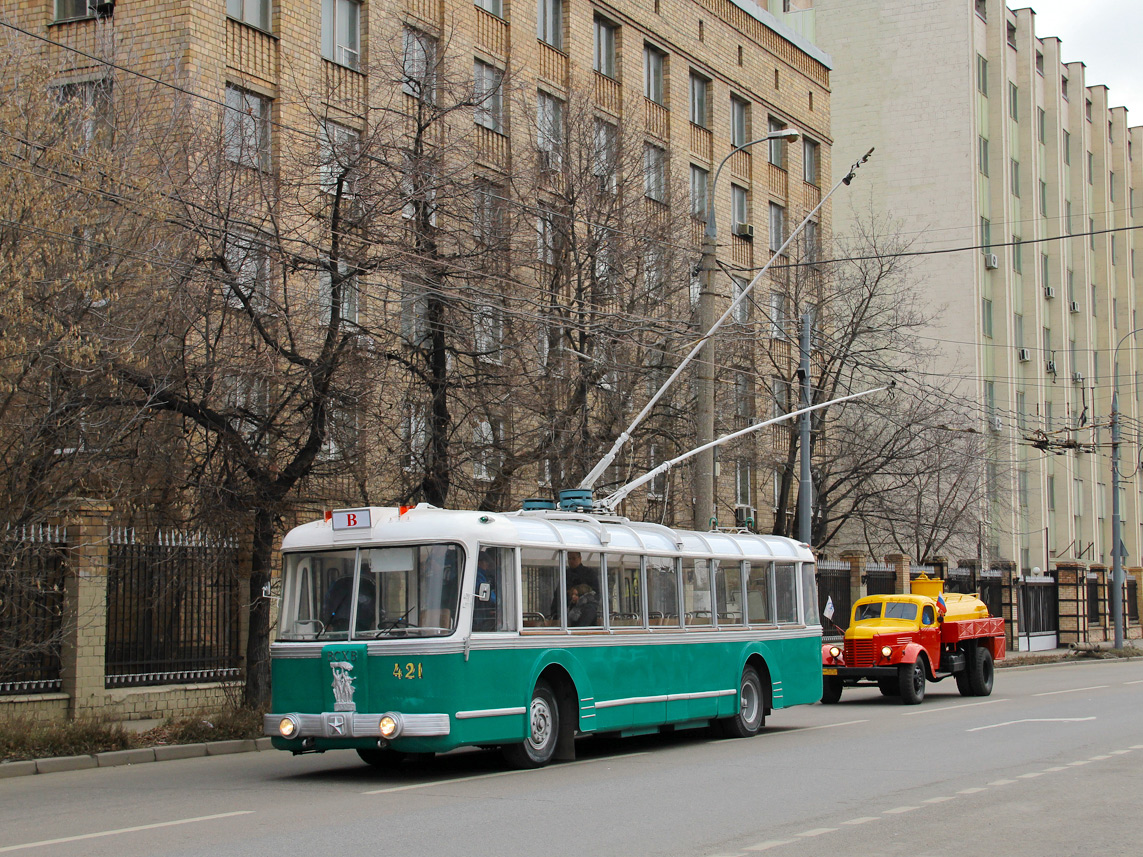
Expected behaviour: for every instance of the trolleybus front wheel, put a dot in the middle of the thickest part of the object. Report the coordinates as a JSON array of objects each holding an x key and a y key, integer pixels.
[{"x": 537, "y": 749}]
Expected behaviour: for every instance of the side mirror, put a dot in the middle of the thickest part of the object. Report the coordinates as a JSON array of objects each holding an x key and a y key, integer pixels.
[{"x": 484, "y": 592}]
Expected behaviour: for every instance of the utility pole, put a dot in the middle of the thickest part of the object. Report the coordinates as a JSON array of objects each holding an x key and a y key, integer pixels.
[
  {"x": 806, "y": 485},
  {"x": 704, "y": 509},
  {"x": 1116, "y": 525}
]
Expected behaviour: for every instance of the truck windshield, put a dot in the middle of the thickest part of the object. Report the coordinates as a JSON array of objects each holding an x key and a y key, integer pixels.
[
  {"x": 901, "y": 610},
  {"x": 865, "y": 612},
  {"x": 399, "y": 591}
]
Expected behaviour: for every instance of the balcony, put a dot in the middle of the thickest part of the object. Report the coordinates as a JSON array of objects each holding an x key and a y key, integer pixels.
[
  {"x": 811, "y": 196},
  {"x": 344, "y": 88},
  {"x": 553, "y": 65},
  {"x": 702, "y": 143},
  {"x": 252, "y": 52},
  {"x": 741, "y": 165},
  {"x": 491, "y": 33},
  {"x": 657, "y": 119},
  {"x": 430, "y": 12},
  {"x": 608, "y": 95},
  {"x": 779, "y": 182},
  {"x": 491, "y": 148}
]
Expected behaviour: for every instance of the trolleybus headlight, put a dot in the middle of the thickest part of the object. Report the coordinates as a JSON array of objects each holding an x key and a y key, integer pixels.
[
  {"x": 390, "y": 725},
  {"x": 288, "y": 726},
  {"x": 834, "y": 652},
  {"x": 886, "y": 651}
]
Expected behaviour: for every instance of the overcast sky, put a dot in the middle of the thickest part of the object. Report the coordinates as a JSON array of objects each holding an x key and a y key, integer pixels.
[{"x": 1105, "y": 36}]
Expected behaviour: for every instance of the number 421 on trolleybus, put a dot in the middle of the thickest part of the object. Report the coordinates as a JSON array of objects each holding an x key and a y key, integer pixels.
[{"x": 422, "y": 630}]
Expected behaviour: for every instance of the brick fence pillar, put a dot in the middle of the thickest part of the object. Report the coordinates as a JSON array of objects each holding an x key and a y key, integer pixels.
[
  {"x": 1009, "y": 579},
  {"x": 83, "y": 652},
  {"x": 1071, "y": 580},
  {"x": 901, "y": 564},
  {"x": 856, "y": 560}
]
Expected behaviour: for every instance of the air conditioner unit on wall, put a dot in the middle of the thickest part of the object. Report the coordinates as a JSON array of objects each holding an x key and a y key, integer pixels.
[
  {"x": 991, "y": 261},
  {"x": 102, "y": 8},
  {"x": 1077, "y": 378},
  {"x": 1024, "y": 354},
  {"x": 997, "y": 424},
  {"x": 1075, "y": 307},
  {"x": 1051, "y": 367},
  {"x": 744, "y": 230},
  {"x": 745, "y": 516},
  {"x": 1049, "y": 291}
]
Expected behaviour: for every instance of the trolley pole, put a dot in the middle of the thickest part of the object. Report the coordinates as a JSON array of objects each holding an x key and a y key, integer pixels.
[{"x": 806, "y": 485}]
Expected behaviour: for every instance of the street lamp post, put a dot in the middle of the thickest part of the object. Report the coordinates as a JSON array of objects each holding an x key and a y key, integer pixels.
[
  {"x": 705, "y": 513},
  {"x": 1116, "y": 523}
]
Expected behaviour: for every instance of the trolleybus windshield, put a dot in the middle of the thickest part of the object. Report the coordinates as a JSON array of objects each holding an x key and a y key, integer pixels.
[{"x": 398, "y": 591}]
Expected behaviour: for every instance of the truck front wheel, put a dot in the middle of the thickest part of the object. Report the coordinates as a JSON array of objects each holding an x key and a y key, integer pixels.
[
  {"x": 980, "y": 672},
  {"x": 911, "y": 680}
]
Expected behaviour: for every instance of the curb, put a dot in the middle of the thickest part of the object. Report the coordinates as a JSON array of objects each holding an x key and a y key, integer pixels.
[{"x": 117, "y": 758}]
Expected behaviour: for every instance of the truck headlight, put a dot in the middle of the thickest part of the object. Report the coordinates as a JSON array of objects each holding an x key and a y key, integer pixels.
[
  {"x": 834, "y": 652},
  {"x": 886, "y": 651}
]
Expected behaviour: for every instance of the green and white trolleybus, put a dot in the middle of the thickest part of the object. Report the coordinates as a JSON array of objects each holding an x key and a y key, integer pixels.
[{"x": 421, "y": 630}]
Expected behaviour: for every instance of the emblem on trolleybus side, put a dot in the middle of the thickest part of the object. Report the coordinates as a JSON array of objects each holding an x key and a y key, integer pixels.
[{"x": 342, "y": 686}]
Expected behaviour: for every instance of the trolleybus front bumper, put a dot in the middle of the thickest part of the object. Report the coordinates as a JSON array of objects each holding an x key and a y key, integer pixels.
[{"x": 352, "y": 724}]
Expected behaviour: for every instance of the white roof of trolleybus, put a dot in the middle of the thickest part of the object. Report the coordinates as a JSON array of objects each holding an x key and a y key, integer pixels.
[{"x": 539, "y": 528}]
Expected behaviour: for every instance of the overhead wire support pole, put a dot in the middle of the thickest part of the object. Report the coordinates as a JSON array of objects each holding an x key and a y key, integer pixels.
[
  {"x": 590, "y": 479},
  {"x": 609, "y": 503},
  {"x": 1117, "y": 548},
  {"x": 806, "y": 484}
]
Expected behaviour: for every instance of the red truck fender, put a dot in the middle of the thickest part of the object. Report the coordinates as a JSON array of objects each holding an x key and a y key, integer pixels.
[
  {"x": 911, "y": 652},
  {"x": 830, "y": 660}
]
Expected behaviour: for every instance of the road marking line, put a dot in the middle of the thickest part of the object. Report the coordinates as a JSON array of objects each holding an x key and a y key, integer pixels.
[
  {"x": 898, "y": 810},
  {"x": 766, "y": 846},
  {"x": 122, "y": 830},
  {"x": 1137, "y": 746},
  {"x": 1119, "y": 752},
  {"x": 941, "y": 799},
  {"x": 1057, "y": 768},
  {"x": 1139, "y": 681},
  {"x": 1077, "y": 764},
  {"x": 1099, "y": 758},
  {"x": 829, "y": 726},
  {"x": 432, "y": 783},
  {"x": 865, "y": 819},
  {"x": 1030, "y": 776},
  {"x": 1071, "y": 690},
  {"x": 817, "y": 831},
  {"x": 1031, "y": 720},
  {"x": 950, "y": 707},
  {"x": 1001, "y": 782},
  {"x": 971, "y": 791}
]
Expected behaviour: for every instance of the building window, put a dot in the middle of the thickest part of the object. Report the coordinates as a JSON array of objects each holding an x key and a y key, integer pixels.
[
  {"x": 655, "y": 172},
  {"x": 812, "y": 241},
  {"x": 1013, "y": 102},
  {"x": 1068, "y": 216},
  {"x": 340, "y": 147},
  {"x": 1014, "y": 181},
  {"x": 1017, "y": 256},
  {"x": 778, "y": 316},
  {"x": 87, "y": 107},
  {"x": 654, "y": 74},
  {"x": 985, "y": 236},
  {"x": 546, "y": 237},
  {"x": 780, "y": 398},
  {"x": 418, "y": 64},
  {"x": 488, "y": 214},
  {"x": 986, "y": 317},
  {"x": 1041, "y": 125},
  {"x": 982, "y": 9},
  {"x": 1043, "y": 198},
  {"x": 348, "y": 298},
  {"x": 1011, "y": 35},
  {"x": 341, "y": 32},
  {"x": 699, "y": 178},
  {"x": 982, "y": 148},
  {"x": 1067, "y": 148},
  {"x": 739, "y": 121},
  {"x": 982, "y": 75},
  {"x": 699, "y": 88},
  {"x": 550, "y": 22},
  {"x": 488, "y": 333},
  {"x": 549, "y": 131},
  {"x": 604, "y": 46},
  {"x": 777, "y": 145},
  {"x": 742, "y": 492},
  {"x": 492, "y": 7},
  {"x": 1021, "y": 410},
  {"x": 811, "y": 161},
  {"x": 1087, "y": 109},
  {"x": 256, "y": 13},
  {"x": 1018, "y": 330},
  {"x": 1045, "y": 270},
  {"x": 777, "y": 227},
  {"x": 486, "y": 458},
  {"x": 1040, "y": 63},
  {"x": 1064, "y": 87},
  {"x": 1091, "y": 231},
  {"x": 739, "y": 209},
  {"x": 246, "y": 128},
  {"x": 1111, "y": 186},
  {"x": 604, "y": 155},
  {"x": 247, "y": 272},
  {"x": 489, "y": 110},
  {"x": 741, "y": 309}
]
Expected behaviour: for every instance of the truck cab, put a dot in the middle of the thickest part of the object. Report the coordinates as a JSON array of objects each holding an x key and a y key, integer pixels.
[{"x": 901, "y": 642}]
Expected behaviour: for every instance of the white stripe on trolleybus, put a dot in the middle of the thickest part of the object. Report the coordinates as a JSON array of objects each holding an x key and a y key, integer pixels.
[
  {"x": 489, "y": 712},
  {"x": 666, "y": 697}
]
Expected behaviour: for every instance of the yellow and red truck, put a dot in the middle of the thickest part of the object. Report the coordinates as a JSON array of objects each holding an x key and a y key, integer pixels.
[{"x": 900, "y": 642}]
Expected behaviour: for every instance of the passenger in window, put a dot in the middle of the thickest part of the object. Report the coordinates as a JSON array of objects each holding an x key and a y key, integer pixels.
[
  {"x": 584, "y": 610},
  {"x": 484, "y": 611},
  {"x": 339, "y": 600},
  {"x": 577, "y": 573}
]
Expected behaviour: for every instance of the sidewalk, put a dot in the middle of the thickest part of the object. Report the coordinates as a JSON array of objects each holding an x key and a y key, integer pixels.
[{"x": 140, "y": 755}]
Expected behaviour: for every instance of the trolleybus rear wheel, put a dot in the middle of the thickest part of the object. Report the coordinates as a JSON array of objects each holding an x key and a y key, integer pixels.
[
  {"x": 751, "y": 716},
  {"x": 537, "y": 749}
]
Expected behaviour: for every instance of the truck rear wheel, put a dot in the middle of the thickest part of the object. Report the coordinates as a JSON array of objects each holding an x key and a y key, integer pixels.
[
  {"x": 964, "y": 683},
  {"x": 911, "y": 681},
  {"x": 831, "y": 689},
  {"x": 980, "y": 672}
]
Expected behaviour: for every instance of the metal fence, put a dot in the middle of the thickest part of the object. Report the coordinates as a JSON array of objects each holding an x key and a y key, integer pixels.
[
  {"x": 880, "y": 579},
  {"x": 172, "y": 609},
  {"x": 833, "y": 585},
  {"x": 1039, "y": 606},
  {"x": 32, "y": 609},
  {"x": 1094, "y": 613},
  {"x": 1132, "y": 599}
]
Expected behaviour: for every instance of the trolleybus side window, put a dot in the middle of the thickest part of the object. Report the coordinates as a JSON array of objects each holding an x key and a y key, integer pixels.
[
  {"x": 810, "y": 595},
  {"x": 786, "y": 592},
  {"x": 728, "y": 592},
  {"x": 540, "y": 583},
  {"x": 696, "y": 590},
  {"x": 662, "y": 591},
  {"x": 584, "y": 594},
  {"x": 624, "y": 590},
  {"x": 494, "y": 601},
  {"x": 758, "y": 608}
]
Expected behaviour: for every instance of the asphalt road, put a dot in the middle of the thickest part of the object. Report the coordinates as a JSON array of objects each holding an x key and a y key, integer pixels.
[{"x": 1050, "y": 764}]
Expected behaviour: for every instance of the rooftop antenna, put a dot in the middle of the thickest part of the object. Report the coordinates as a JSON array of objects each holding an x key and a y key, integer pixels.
[{"x": 589, "y": 481}]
